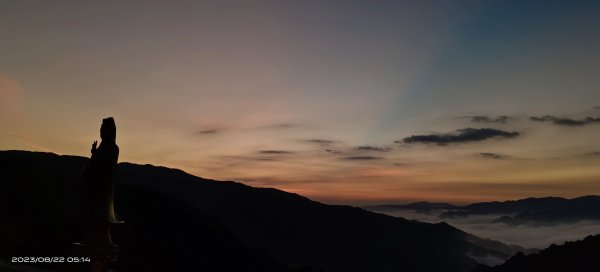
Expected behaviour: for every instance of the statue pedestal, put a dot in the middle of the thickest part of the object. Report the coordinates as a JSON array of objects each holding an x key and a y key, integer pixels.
[
  {"x": 100, "y": 256},
  {"x": 98, "y": 247}
]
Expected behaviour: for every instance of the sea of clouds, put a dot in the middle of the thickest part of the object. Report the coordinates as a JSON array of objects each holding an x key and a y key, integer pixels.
[{"x": 527, "y": 235}]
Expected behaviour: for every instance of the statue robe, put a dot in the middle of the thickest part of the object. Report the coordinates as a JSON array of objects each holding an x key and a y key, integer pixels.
[{"x": 99, "y": 179}]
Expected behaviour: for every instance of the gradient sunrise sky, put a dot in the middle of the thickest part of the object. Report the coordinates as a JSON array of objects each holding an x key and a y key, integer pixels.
[{"x": 341, "y": 101}]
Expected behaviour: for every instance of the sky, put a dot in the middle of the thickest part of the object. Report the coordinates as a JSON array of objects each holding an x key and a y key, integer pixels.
[{"x": 353, "y": 102}]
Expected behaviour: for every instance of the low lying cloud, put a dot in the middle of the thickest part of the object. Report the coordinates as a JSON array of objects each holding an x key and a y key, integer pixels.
[
  {"x": 527, "y": 236},
  {"x": 563, "y": 121},
  {"x": 460, "y": 136},
  {"x": 494, "y": 156},
  {"x": 373, "y": 148},
  {"x": 486, "y": 119},
  {"x": 363, "y": 158}
]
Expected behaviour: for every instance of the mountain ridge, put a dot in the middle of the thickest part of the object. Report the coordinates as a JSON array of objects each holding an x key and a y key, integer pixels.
[
  {"x": 578, "y": 255},
  {"x": 536, "y": 210}
]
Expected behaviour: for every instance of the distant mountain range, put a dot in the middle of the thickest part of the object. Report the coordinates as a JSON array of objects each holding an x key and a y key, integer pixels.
[
  {"x": 546, "y": 210},
  {"x": 571, "y": 256},
  {"x": 179, "y": 222},
  {"x": 422, "y": 206}
]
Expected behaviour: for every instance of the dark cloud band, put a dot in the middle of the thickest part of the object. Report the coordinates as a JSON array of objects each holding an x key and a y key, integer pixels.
[
  {"x": 373, "y": 148},
  {"x": 460, "y": 136},
  {"x": 486, "y": 119},
  {"x": 562, "y": 121}
]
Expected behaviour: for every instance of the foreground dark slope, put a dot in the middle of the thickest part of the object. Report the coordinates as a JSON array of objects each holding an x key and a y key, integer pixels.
[
  {"x": 291, "y": 229},
  {"x": 38, "y": 218},
  {"x": 571, "y": 256}
]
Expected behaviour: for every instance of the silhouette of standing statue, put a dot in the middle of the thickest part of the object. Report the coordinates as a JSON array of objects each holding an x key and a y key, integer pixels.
[
  {"x": 99, "y": 175},
  {"x": 98, "y": 212}
]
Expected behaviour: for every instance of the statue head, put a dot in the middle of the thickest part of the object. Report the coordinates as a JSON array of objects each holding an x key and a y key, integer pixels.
[{"x": 108, "y": 130}]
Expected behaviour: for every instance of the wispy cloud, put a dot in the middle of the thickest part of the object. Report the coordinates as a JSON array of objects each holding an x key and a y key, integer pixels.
[
  {"x": 373, "y": 148},
  {"x": 321, "y": 142},
  {"x": 278, "y": 126},
  {"x": 27, "y": 141},
  {"x": 265, "y": 159},
  {"x": 494, "y": 156},
  {"x": 208, "y": 131},
  {"x": 464, "y": 135},
  {"x": 563, "y": 121},
  {"x": 486, "y": 119},
  {"x": 363, "y": 158},
  {"x": 592, "y": 154},
  {"x": 275, "y": 152},
  {"x": 10, "y": 106}
]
